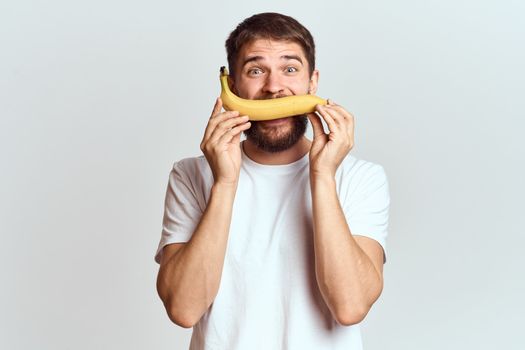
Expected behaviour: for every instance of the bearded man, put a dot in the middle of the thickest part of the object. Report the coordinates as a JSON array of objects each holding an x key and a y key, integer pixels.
[{"x": 277, "y": 241}]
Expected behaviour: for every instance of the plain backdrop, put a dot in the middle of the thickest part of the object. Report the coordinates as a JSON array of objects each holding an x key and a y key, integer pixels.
[{"x": 98, "y": 99}]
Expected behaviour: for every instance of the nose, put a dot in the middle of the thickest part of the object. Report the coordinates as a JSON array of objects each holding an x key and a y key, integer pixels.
[{"x": 273, "y": 84}]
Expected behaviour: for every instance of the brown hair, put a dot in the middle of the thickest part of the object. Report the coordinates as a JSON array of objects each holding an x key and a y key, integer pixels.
[{"x": 270, "y": 25}]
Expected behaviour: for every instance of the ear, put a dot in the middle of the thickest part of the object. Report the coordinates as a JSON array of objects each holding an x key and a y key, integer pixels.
[{"x": 312, "y": 85}]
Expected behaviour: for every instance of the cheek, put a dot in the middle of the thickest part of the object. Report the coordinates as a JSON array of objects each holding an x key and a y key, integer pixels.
[
  {"x": 247, "y": 90},
  {"x": 301, "y": 89},
  {"x": 300, "y": 86}
]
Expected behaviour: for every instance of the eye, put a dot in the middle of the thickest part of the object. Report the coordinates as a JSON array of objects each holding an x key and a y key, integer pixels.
[
  {"x": 291, "y": 69},
  {"x": 254, "y": 71}
]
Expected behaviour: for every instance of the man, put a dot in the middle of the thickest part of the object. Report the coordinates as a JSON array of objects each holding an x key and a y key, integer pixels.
[{"x": 276, "y": 242}]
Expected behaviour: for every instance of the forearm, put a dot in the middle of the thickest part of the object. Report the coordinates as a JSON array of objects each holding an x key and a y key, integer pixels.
[
  {"x": 190, "y": 279},
  {"x": 347, "y": 278}
]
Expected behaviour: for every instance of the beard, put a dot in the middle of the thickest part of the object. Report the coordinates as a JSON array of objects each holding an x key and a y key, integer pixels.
[{"x": 275, "y": 140}]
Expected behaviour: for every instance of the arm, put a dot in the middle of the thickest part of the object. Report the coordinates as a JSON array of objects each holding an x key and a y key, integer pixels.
[
  {"x": 189, "y": 274},
  {"x": 348, "y": 268}
]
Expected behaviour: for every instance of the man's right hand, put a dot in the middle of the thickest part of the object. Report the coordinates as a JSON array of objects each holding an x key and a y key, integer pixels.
[{"x": 221, "y": 144}]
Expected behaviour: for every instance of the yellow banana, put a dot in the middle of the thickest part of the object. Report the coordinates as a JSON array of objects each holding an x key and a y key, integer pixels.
[{"x": 267, "y": 109}]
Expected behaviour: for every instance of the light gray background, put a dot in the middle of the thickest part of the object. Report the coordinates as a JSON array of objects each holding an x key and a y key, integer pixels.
[{"x": 99, "y": 98}]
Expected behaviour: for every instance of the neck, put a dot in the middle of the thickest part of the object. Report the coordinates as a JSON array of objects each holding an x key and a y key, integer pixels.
[{"x": 288, "y": 156}]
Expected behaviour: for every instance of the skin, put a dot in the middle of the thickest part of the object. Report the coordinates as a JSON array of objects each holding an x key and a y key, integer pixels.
[
  {"x": 269, "y": 69},
  {"x": 349, "y": 267}
]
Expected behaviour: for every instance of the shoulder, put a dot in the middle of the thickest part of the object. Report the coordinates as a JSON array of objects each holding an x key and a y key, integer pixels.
[
  {"x": 364, "y": 192},
  {"x": 358, "y": 170},
  {"x": 192, "y": 170},
  {"x": 358, "y": 178},
  {"x": 191, "y": 165},
  {"x": 192, "y": 175}
]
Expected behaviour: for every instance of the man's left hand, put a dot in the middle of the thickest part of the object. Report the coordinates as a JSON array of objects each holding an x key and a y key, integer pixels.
[{"x": 329, "y": 149}]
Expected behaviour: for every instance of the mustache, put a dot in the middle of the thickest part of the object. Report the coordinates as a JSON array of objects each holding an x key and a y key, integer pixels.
[{"x": 269, "y": 97}]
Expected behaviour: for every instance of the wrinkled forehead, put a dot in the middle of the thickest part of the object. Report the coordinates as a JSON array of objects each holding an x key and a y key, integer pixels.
[
  {"x": 268, "y": 48},
  {"x": 270, "y": 44}
]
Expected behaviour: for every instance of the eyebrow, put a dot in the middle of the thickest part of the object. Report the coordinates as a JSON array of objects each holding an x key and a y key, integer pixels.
[
  {"x": 258, "y": 58},
  {"x": 293, "y": 57}
]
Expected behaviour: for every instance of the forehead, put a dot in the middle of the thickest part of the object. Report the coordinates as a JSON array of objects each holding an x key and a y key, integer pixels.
[{"x": 269, "y": 48}]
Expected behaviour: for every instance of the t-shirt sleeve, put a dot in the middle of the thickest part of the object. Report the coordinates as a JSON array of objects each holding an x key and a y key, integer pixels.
[
  {"x": 182, "y": 211},
  {"x": 367, "y": 205}
]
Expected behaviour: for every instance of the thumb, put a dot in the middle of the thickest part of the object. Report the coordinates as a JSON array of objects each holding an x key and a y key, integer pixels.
[{"x": 317, "y": 125}]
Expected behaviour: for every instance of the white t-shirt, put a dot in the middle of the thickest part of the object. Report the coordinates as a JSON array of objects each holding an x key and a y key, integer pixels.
[{"x": 268, "y": 297}]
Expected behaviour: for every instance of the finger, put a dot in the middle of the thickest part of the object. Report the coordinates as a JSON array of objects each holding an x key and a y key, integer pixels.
[
  {"x": 233, "y": 135},
  {"x": 216, "y": 108},
  {"x": 317, "y": 125},
  {"x": 347, "y": 122},
  {"x": 343, "y": 111},
  {"x": 226, "y": 126},
  {"x": 236, "y": 139},
  {"x": 216, "y": 120},
  {"x": 345, "y": 119},
  {"x": 323, "y": 111},
  {"x": 339, "y": 118}
]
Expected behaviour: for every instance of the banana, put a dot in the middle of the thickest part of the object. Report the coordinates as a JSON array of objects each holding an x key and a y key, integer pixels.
[{"x": 267, "y": 109}]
